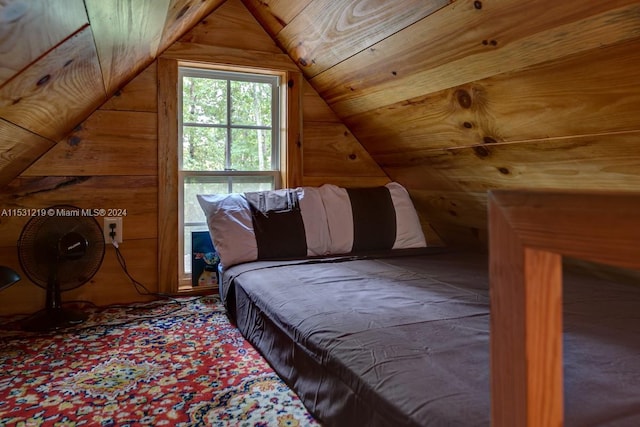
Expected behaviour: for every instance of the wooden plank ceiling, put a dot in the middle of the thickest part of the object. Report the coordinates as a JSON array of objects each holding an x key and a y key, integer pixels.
[
  {"x": 449, "y": 97},
  {"x": 456, "y": 97},
  {"x": 53, "y": 52}
]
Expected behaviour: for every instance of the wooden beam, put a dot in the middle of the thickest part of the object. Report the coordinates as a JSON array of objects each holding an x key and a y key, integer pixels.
[
  {"x": 530, "y": 231},
  {"x": 291, "y": 148},
  {"x": 168, "y": 175},
  {"x": 597, "y": 226}
]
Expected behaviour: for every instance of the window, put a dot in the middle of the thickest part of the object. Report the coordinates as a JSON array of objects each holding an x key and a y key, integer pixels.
[
  {"x": 286, "y": 153},
  {"x": 228, "y": 141}
]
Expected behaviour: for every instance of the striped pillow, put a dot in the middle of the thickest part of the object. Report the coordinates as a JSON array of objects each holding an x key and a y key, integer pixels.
[
  {"x": 309, "y": 221},
  {"x": 368, "y": 219},
  {"x": 274, "y": 224}
]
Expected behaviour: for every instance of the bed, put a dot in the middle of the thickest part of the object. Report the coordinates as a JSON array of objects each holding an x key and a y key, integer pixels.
[{"x": 400, "y": 336}]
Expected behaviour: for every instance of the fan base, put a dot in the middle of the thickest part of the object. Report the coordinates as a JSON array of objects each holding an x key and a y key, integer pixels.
[{"x": 52, "y": 319}]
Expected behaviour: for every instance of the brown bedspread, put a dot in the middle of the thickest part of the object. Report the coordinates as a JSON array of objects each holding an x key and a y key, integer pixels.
[{"x": 403, "y": 341}]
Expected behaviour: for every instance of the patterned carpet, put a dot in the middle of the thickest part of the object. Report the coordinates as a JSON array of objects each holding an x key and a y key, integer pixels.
[{"x": 156, "y": 364}]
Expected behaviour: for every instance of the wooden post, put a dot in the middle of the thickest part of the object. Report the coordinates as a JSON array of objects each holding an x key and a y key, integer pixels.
[
  {"x": 167, "y": 176},
  {"x": 529, "y": 233},
  {"x": 526, "y": 330}
]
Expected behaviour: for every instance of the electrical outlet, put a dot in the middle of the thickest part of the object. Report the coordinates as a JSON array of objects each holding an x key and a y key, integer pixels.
[{"x": 108, "y": 221}]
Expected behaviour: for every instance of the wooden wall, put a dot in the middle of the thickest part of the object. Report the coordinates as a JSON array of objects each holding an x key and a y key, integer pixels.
[
  {"x": 453, "y": 98},
  {"x": 61, "y": 59},
  {"x": 110, "y": 161}
]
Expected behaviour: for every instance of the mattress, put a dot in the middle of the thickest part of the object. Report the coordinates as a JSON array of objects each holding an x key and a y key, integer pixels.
[{"x": 403, "y": 340}]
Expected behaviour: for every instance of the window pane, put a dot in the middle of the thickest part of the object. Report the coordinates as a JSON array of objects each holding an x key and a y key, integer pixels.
[
  {"x": 194, "y": 185},
  {"x": 254, "y": 183},
  {"x": 193, "y": 214},
  {"x": 251, "y": 149},
  {"x": 203, "y": 148},
  {"x": 250, "y": 103},
  {"x": 204, "y": 100}
]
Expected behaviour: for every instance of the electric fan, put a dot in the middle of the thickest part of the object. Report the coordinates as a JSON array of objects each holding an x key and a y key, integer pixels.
[{"x": 58, "y": 252}]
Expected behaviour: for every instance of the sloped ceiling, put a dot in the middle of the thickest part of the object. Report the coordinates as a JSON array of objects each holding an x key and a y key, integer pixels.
[
  {"x": 52, "y": 53},
  {"x": 456, "y": 97},
  {"x": 450, "y": 97},
  {"x": 364, "y": 55}
]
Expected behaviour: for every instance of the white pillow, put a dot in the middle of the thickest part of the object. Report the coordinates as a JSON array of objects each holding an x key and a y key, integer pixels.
[
  {"x": 408, "y": 229},
  {"x": 231, "y": 228}
]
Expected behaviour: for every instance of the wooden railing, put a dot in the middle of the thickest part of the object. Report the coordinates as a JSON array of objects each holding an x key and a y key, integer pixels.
[{"x": 529, "y": 232}]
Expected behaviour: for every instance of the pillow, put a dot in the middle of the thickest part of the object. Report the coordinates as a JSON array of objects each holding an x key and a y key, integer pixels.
[
  {"x": 315, "y": 221},
  {"x": 337, "y": 209},
  {"x": 277, "y": 223},
  {"x": 309, "y": 221},
  {"x": 367, "y": 219},
  {"x": 231, "y": 228},
  {"x": 408, "y": 229},
  {"x": 267, "y": 224}
]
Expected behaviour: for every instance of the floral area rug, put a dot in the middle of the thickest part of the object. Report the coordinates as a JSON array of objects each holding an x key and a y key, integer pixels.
[{"x": 157, "y": 364}]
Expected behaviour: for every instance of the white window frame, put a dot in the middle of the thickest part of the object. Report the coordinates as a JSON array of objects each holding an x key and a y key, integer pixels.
[{"x": 274, "y": 173}]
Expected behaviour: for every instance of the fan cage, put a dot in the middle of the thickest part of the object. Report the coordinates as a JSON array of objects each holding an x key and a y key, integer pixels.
[{"x": 38, "y": 247}]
